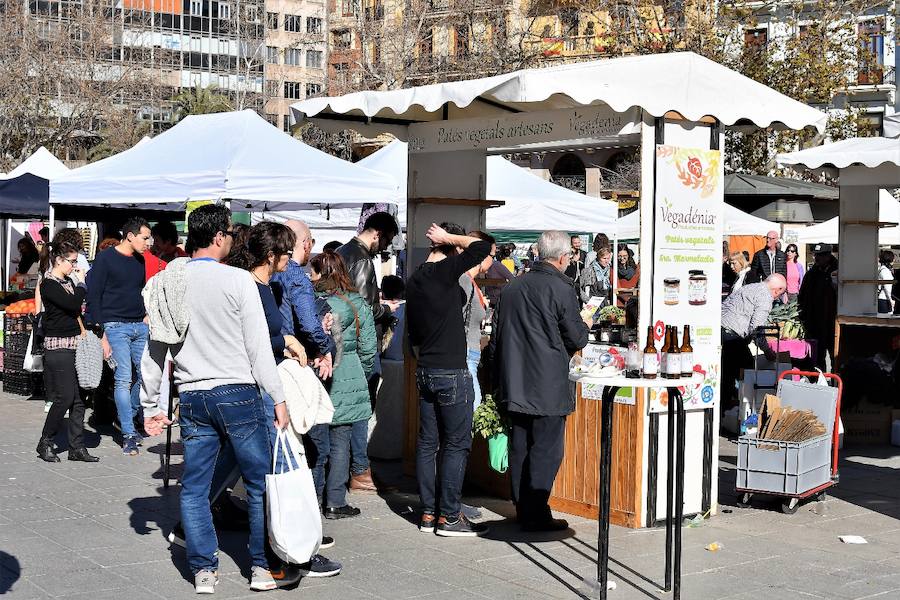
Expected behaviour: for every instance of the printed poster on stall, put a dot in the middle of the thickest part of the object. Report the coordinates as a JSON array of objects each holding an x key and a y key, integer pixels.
[{"x": 689, "y": 209}]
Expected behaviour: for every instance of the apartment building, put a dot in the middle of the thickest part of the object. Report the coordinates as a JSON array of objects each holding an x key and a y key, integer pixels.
[
  {"x": 872, "y": 85},
  {"x": 295, "y": 55}
]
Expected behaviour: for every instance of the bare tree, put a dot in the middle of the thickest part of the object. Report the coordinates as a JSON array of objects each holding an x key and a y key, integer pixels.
[{"x": 60, "y": 81}]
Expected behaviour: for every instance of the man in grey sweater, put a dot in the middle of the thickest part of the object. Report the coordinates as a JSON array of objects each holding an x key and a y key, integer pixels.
[{"x": 224, "y": 360}]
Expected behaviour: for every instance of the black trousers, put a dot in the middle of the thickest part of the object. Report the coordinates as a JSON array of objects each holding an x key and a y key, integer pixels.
[
  {"x": 735, "y": 356},
  {"x": 535, "y": 452},
  {"x": 61, "y": 382}
]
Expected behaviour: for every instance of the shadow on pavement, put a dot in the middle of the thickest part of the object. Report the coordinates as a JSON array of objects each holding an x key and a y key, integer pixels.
[{"x": 10, "y": 571}]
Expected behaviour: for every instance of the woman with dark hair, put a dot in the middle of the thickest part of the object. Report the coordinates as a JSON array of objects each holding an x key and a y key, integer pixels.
[
  {"x": 628, "y": 274},
  {"x": 62, "y": 292},
  {"x": 794, "y": 272},
  {"x": 349, "y": 388},
  {"x": 886, "y": 276},
  {"x": 28, "y": 256}
]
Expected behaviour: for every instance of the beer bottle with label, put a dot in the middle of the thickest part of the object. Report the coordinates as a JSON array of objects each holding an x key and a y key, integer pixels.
[
  {"x": 673, "y": 363},
  {"x": 664, "y": 354},
  {"x": 651, "y": 356},
  {"x": 687, "y": 353}
]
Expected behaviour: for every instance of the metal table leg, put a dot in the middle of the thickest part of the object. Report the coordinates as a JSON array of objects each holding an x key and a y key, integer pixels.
[
  {"x": 609, "y": 393},
  {"x": 670, "y": 474},
  {"x": 679, "y": 494}
]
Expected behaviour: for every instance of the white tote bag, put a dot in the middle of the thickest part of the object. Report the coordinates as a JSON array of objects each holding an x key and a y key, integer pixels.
[
  {"x": 33, "y": 362},
  {"x": 295, "y": 525}
]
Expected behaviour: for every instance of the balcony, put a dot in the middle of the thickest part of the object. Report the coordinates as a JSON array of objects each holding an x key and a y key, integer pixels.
[
  {"x": 374, "y": 13},
  {"x": 571, "y": 46}
]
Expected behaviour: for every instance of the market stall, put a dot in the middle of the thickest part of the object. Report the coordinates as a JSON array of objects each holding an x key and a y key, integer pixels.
[
  {"x": 828, "y": 232},
  {"x": 865, "y": 167},
  {"x": 236, "y": 156},
  {"x": 673, "y": 108}
]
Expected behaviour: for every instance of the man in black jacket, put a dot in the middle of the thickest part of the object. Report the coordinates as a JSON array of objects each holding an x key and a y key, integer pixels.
[
  {"x": 770, "y": 259},
  {"x": 378, "y": 232},
  {"x": 537, "y": 327}
]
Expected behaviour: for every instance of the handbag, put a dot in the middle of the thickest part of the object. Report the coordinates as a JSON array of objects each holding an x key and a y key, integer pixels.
[
  {"x": 292, "y": 508},
  {"x": 88, "y": 359},
  {"x": 498, "y": 451},
  {"x": 33, "y": 362}
]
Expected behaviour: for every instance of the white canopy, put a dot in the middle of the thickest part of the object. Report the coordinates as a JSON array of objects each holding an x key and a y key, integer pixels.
[
  {"x": 532, "y": 203},
  {"x": 681, "y": 81},
  {"x": 236, "y": 156},
  {"x": 737, "y": 222},
  {"x": 868, "y": 152},
  {"x": 828, "y": 232},
  {"x": 42, "y": 163}
]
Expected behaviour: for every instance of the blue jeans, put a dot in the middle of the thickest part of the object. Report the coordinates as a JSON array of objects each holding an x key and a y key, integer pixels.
[
  {"x": 359, "y": 446},
  {"x": 473, "y": 359},
  {"x": 317, "y": 443},
  {"x": 229, "y": 419},
  {"x": 445, "y": 431},
  {"x": 226, "y": 473},
  {"x": 338, "y": 465},
  {"x": 127, "y": 341}
]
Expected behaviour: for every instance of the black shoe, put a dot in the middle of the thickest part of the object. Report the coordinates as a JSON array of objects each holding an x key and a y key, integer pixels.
[
  {"x": 341, "y": 512},
  {"x": 471, "y": 512},
  {"x": 426, "y": 523},
  {"x": 227, "y": 515},
  {"x": 327, "y": 542},
  {"x": 320, "y": 566},
  {"x": 461, "y": 527},
  {"x": 546, "y": 525},
  {"x": 45, "y": 450},
  {"x": 81, "y": 455}
]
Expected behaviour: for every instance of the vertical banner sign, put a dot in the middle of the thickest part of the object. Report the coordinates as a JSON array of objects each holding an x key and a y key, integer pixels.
[{"x": 689, "y": 208}]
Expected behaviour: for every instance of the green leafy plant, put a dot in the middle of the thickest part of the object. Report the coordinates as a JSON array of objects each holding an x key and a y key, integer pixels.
[
  {"x": 487, "y": 420},
  {"x": 787, "y": 318}
]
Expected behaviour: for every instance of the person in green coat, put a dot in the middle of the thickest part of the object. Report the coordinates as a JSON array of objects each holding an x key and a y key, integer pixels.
[{"x": 349, "y": 385}]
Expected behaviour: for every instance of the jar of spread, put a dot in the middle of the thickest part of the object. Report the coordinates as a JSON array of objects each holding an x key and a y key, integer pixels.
[
  {"x": 697, "y": 286},
  {"x": 671, "y": 290}
]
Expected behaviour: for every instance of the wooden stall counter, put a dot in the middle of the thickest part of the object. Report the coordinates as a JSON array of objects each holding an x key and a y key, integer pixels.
[{"x": 576, "y": 488}]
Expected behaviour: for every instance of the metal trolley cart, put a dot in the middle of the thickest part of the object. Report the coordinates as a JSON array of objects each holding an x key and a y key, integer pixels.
[{"x": 794, "y": 471}]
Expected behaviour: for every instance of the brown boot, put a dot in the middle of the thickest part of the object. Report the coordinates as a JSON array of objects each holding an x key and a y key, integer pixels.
[{"x": 363, "y": 482}]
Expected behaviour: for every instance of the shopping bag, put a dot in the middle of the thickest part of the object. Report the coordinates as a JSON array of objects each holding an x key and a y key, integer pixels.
[
  {"x": 498, "y": 451},
  {"x": 89, "y": 360},
  {"x": 292, "y": 508},
  {"x": 33, "y": 362}
]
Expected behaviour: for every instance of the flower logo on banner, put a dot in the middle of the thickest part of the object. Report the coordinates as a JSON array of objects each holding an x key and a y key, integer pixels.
[
  {"x": 689, "y": 166},
  {"x": 706, "y": 394},
  {"x": 659, "y": 330}
]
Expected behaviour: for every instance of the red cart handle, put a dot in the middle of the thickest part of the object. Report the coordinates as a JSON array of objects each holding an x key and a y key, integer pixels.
[{"x": 837, "y": 408}]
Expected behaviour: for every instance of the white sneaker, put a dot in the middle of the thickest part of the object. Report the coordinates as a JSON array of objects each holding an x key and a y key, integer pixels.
[
  {"x": 205, "y": 582},
  {"x": 261, "y": 580}
]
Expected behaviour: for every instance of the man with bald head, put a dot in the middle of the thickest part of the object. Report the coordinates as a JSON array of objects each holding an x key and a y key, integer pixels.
[
  {"x": 743, "y": 313},
  {"x": 770, "y": 259}
]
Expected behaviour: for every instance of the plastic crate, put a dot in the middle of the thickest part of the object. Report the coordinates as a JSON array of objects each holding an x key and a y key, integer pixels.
[
  {"x": 783, "y": 467},
  {"x": 18, "y": 382},
  {"x": 791, "y": 468}
]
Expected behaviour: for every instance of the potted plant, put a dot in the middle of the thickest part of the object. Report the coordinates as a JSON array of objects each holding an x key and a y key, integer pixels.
[{"x": 489, "y": 424}]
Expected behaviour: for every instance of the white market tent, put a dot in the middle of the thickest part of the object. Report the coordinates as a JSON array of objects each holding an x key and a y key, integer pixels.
[
  {"x": 42, "y": 163},
  {"x": 737, "y": 222},
  {"x": 234, "y": 156},
  {"x": 531, "y": 203},
  {"x": 865, "y": 167},
  {"x": 685, "y": 82},
  {"x": 828, "y": 231}
]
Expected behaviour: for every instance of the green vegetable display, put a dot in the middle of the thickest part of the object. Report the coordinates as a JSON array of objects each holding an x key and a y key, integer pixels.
[
  {"x": 611, "y": 313},
  {"x": 787, "y": 318}
]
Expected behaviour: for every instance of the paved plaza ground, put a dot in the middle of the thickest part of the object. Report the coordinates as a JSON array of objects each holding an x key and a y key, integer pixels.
[{"x": 74, "y": 530}]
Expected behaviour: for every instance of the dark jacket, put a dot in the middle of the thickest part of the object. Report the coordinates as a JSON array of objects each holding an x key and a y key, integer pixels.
[
  {"x": 61, "y": 309},
  {"x": 763, "y": 267},
  {"x": 362, "y": 273},
  {"x": 301, "y": 318},
  {"x": 537, "y": 328}
]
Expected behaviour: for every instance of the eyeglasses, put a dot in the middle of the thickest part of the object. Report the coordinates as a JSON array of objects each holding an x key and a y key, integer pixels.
[
  {"x": 771, "y": 238},
  {"x": 71, "y": 261},
  {"x": 229, "y": 233},
  {"x": 290, "y": 253}
]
